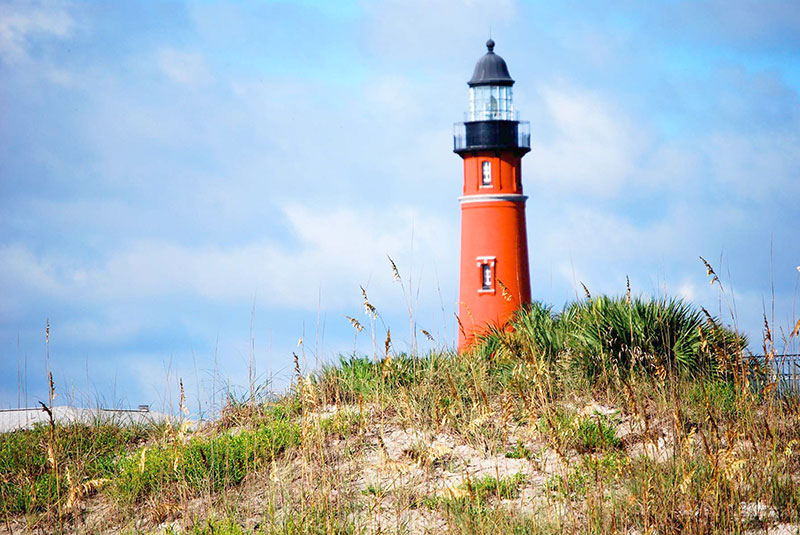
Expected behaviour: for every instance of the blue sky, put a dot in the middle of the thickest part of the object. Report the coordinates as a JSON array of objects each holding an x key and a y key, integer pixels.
[{"x": 171, "y": 173}]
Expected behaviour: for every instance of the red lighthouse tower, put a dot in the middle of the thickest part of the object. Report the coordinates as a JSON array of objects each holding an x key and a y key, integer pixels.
[{"x": 495, "y": 276}]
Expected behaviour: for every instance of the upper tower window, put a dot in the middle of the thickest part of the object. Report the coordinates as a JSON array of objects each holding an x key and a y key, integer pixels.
[{"x": 486, "y": 173}]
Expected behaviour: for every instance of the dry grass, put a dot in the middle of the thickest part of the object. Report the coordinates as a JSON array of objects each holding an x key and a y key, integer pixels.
[{"x": 529, "y": 433}]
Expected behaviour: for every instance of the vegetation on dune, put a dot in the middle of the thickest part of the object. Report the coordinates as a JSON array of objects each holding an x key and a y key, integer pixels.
[
  {"x": 86, "y": 457},
  {"x": 616, "y": 415},
  {"x": 621, "y": 334},
  {"x": 202, "y": 463}
]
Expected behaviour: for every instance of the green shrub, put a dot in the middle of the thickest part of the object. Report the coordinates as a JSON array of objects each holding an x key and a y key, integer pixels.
[
  {"x": 601, "y": 469},
  {"x": 311, "y": 520},
  {"x": 784, "y": 494},
  {"x": 520, "y": 451},
  {"x": 713, "y": 394},
  {"x": 361, "y": 377},
  {"x": 558, "y": 423},
  {"x": 596, "y": 432},
  {"x": 489, "y": 486},
  {"x": 608, "y": 335},
  {"x": 542, "y": 329}
]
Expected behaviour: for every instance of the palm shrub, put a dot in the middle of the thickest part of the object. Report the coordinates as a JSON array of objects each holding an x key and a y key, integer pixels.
[
  {"x": 535, "y": 332},
  {"x": 542, "y": 329},
  {"x": 620, "y": 333}
]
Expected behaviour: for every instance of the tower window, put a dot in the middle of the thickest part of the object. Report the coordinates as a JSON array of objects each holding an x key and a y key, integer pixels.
[
  {"x": 486, "y": 267},
  {"x": 486, "y": 173},
  {"x": 486, "y": 276}
]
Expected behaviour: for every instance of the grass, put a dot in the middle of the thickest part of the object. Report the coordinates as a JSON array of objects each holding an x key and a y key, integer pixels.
[
  {"x": 504, "y": 488},
  {"x": 613, "y": 415},
  {"x": 87, "y": 453},
  {"x": 596, "y": 432},
  {"x": 202, "y": 463},
  {"x": 520, "y": 451}
]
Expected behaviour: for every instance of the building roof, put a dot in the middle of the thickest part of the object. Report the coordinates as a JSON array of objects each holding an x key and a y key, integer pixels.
[
  {"x": 491, "y": 69},
  {"x": 14, "y": 419}
]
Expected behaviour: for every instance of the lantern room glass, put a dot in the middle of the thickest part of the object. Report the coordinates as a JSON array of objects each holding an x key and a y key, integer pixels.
[{"x": 491, "y": 103}]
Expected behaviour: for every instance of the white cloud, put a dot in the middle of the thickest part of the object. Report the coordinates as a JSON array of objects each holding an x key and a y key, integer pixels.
[
  {"x": 335, "y": 250},
  {"x": 756, "y": 166},
  {"x": 593, "y": 147},
  {"x": 433, "y": 29},
  {"x": 187, "y": 68},
  {"x": 671, "y": 166},
  {"x": 23, "y": 271},
  {"x": 600, "y": 247},
  {"x": 687, "y": 290},
  {"x": 114, "y": 326},
  {"x": 21, "y": 22}
]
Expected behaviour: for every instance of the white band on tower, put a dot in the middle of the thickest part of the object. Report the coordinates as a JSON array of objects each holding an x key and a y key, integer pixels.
[{"x": 510, "y": 197}]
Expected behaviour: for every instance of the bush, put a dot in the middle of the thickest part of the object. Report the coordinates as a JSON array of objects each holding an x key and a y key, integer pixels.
[
  {"x": 596, "y": 432},
  {"x": 617, "y": 334}
]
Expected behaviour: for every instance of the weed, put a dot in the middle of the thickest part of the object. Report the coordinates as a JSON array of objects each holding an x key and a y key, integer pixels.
[
  {"x": 596, "y": 432},
  {"x": 505, "y": 487},
  {"x": 520, "y": 451}
]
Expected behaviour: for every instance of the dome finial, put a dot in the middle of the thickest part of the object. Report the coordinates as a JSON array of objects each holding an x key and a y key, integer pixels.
[{"x": 491, "y": 69}]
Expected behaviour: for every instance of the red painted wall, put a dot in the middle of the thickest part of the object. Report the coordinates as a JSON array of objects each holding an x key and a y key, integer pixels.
[{"x": 492, "y": 228}]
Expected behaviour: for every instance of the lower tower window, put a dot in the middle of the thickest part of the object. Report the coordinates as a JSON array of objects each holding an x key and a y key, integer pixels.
[{"x": 486, "y": 266}]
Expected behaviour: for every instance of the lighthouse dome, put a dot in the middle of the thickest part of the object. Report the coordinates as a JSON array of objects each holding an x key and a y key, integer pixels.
[{"x": 491, "y": 69}]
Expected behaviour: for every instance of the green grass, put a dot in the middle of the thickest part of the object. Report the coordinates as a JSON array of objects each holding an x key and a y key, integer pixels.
[
  {"x": 468, "y": 515},
  {"x": 520, "y": 451},
  {"x": 85, "y": 452},
  {"x": 590, "y": 470},
  {"x": 313, "y": 521},
  {"x": 203, "y": 463},
  {"x": 596, "y": 432},
  {"x": 504, "y": 488},
  {"x": 584, "y": 434}
]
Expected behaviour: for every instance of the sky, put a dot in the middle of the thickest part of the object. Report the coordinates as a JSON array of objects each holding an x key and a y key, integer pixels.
[{"x": 194, "y": 192}]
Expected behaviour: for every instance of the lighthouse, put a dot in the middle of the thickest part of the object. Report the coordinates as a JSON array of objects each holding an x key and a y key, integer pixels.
[{"x": 495, "y": 275}]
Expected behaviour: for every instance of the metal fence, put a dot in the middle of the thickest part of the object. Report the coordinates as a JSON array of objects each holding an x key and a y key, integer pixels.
[{"x": 787, "y": 370}]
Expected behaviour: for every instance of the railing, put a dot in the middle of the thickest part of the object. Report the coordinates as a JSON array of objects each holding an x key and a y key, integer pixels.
[
  {"x": 491, "y": 134},
  {"x": 787, "y": 371},
  {"x": 524, "y": 134},
  {"x": 511, "y": 115},
  {"x": 459, "y": 136}
]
